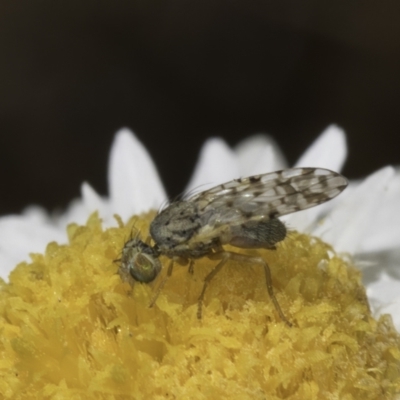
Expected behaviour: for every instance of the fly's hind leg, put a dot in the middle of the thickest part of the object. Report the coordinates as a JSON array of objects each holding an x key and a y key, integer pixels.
[
  {"x": 228, "y": 255},
  {"x": 268, "y": 278}
]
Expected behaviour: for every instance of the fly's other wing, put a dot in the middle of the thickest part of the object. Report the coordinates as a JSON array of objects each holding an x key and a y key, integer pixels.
[{"x": 268, "y": 196}]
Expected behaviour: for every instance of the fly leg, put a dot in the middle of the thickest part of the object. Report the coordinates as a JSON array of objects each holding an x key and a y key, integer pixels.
[
  {"x": 191, "y": 266},
  {"x": 268, "y": 278},
  {"x": 228, "y": 255},
  {"x": 161, "y": 285},
  {"x": 225, "y": 257}
]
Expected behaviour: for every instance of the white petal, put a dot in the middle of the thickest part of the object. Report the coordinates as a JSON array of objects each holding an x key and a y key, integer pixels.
[
  {"x": 385, "y": 233},
  {"x": 24, "y": 234},
  {"x": 329, "y": 150},
  {"x": 259, "y": 154},
  {"x": 384, "y": 289},
  {"x": 91, "y": 199},
  {"x": 392, "y": 308},
  {"x": 94, "y": 202},
  {"x": 217, "y": 164},
  {"x": 300, "y": 221},
  {"x": 134, "y": 183},
  {"x": 79, "y": 209},
  {"x": 384, "y": 297},
  {"x": 350, "y": 222},
  {"x": 76, "y": 212}
]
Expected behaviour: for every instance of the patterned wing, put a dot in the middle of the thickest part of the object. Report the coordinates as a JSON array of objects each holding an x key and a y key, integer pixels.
[{"x": 269, "y": 196}]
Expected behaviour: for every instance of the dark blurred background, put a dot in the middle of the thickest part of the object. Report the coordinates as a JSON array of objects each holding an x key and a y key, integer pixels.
[{"x": 178, "y": 71}]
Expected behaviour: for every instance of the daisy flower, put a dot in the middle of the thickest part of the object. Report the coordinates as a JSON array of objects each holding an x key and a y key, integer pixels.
[{"x": 71, "y": 328}]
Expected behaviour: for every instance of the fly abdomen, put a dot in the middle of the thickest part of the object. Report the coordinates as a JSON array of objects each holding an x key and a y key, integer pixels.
[{"x": 258, "y": 234}]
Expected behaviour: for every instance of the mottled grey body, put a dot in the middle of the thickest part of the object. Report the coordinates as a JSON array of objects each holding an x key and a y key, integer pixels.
[
  {"x": 243, "y": 213},
  {"x": 175, "y": 227}
]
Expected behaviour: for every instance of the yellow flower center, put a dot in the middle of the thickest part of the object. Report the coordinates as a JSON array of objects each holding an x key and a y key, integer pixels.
[{"x": 70, "y": 328}]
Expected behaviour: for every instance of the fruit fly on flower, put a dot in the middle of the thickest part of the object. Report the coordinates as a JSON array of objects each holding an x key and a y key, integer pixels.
[{"x": 242, "y": 213}]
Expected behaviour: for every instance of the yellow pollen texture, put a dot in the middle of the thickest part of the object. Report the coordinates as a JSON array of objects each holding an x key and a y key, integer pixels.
[{"x": 71, "y": 329}]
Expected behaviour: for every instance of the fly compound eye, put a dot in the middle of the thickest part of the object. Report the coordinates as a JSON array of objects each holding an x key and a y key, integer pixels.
[{"x": 145, "y": 267}]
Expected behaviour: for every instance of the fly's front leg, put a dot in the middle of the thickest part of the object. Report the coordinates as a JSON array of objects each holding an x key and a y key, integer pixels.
[
  {"x": 228, "y": 255},
  {"x": 160, "y": 287},
  {"x": 191, "y": 267},
  {"x": 225, "y": 257}
]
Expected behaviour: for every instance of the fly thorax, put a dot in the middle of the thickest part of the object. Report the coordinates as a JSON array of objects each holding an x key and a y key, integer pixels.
[{"x": 175, "y": 225}]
